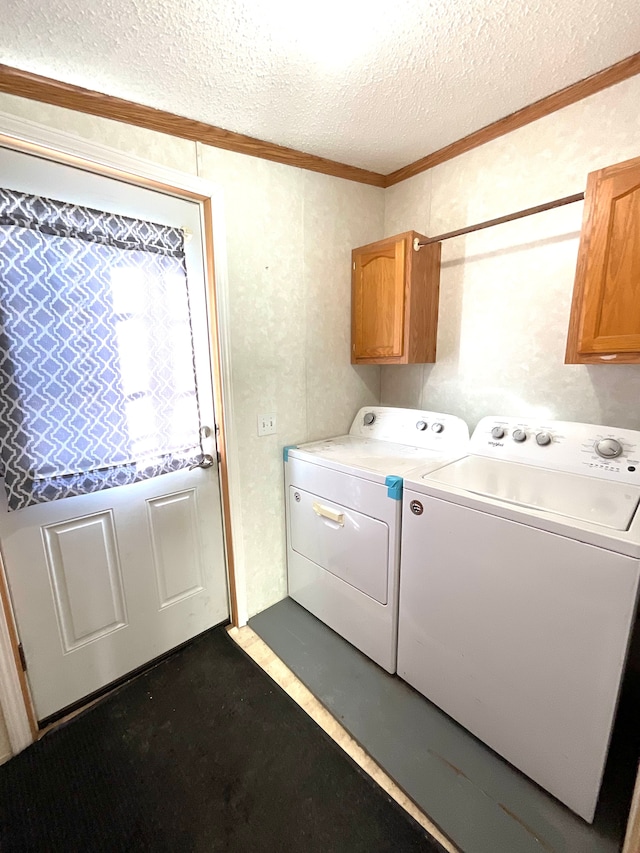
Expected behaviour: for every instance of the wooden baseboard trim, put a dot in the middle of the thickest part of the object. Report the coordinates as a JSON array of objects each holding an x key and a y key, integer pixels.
[
  {"x": 628, "y": 67},
  {"x": 37, "y": 88}
]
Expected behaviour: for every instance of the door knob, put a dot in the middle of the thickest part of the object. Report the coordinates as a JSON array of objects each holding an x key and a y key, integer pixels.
[{"x": 205, "y": 461}]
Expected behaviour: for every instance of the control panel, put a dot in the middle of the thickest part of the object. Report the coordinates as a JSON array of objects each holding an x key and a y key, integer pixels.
[
  {"x": 410, "y": 426},
  {"x": 605, "y": 452}
]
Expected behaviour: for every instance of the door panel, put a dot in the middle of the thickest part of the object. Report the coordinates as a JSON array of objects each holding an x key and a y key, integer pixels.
[
  {"x": 173, "y": 522},
  {"x": 612, "y": 317},
  {"x": 605, "y": 317},
  {"x": 378, "y": 296},
  {"x": 88, "y": 605},
  {"x": 103, "y": 583}
]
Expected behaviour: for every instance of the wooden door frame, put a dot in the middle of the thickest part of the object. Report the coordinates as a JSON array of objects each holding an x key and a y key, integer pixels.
[{"x": 60, "y": 147}]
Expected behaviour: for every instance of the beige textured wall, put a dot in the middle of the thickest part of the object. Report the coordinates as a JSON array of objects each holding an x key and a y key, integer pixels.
[
  {"x": 506, "y": 291},
  {"x": 289, "y": 237}
]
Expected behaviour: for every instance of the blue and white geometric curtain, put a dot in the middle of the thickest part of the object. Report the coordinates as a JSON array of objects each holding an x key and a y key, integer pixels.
[{"x": 97, "y": 374}]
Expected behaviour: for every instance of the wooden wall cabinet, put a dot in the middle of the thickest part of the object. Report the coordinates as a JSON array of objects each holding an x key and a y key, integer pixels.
[
  {"x": 604, "y": 327},
  {"x": 394, "y": 301}
]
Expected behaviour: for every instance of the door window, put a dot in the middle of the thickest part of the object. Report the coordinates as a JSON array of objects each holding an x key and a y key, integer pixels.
[{"x": 97, "y": 378}]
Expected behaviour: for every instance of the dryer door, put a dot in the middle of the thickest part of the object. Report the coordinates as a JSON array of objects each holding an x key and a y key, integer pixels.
[{"x": 350, "y": 545}]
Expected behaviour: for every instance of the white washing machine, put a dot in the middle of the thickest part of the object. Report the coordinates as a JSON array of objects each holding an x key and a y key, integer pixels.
[
  {"x": 519, "y": 581},
  {"x": 343, "y": 502}
]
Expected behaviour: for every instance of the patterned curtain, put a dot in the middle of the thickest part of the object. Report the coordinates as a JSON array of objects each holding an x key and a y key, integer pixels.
[{"x": 97, "y": 375}]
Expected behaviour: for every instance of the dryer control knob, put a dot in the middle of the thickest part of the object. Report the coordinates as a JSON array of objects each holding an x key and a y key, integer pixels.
[
  {"x": 421, "y": 425},
  {"x": 369, "y": 418},
  {"x": 519, "y": 435},
  {"x": 437, "y": 427},
  {"x": 497, "y": 432},
  {"x": 608, "y": 448},
  {"x": 543, "y": 438}
]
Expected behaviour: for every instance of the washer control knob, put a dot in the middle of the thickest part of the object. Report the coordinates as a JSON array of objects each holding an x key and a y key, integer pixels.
[
  {"x": 497, "y": 432},
  {"x": 437, "y": 427},
  {"x": 421, "y": 425},
  {"x": 543, "y": 438},
  {"x": 608, "y": 448},
  {"x": 369, "y": 418},
  {"x": 519, "y": 435}
]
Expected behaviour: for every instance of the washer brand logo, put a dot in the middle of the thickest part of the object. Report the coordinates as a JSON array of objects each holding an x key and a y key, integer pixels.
[
  {"x": 416, "y": 507},
  {"x": 496, "y": 443}
]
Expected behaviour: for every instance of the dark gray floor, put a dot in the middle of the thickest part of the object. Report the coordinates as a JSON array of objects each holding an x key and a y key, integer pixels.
[{"x": 477, "y": 799}]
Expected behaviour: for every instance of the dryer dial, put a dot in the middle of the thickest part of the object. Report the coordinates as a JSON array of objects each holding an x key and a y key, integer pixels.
[
  {"x": 421, "y": 425},
  {"x": 437, "y": 427},
  {"x": 608, "y": 448},
  {"x": 369, "y": 418}
]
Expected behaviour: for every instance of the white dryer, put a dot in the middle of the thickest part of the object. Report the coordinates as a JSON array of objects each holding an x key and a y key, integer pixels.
[
  {"x": 343, "y": 508},
  {"x": 519, "y": 583}
]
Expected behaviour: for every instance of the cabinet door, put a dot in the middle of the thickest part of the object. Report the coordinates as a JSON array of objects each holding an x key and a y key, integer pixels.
[
  {"x": 606, "y": 307},
  {"x": 379, "y": 301}
]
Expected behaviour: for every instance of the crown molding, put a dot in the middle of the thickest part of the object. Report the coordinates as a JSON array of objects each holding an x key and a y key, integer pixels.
[
  {"x": 37, "y": 88},
  {"x": 622, "y": 70}
]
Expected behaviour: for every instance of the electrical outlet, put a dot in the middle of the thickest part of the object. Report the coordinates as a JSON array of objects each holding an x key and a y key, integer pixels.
[{"x": 267, "y": 424}]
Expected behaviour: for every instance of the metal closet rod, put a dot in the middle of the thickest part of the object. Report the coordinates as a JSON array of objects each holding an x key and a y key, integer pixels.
[{"x": 569, "y": 199}]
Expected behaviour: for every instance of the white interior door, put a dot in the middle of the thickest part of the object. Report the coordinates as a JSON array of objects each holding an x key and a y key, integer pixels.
[{"x": 103, "y": 583}]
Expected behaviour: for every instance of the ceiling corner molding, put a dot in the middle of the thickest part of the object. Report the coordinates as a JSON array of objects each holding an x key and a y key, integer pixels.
[
  {"x": 36, "y": 88},
  {"x": 622, "y": 70}
]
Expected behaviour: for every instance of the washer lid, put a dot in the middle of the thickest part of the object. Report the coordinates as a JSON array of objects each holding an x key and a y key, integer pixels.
[{"x": 602, "y": 502}]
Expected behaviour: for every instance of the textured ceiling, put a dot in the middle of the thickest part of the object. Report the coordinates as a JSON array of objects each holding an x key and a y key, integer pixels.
[{"x": 370, "y": 83}]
